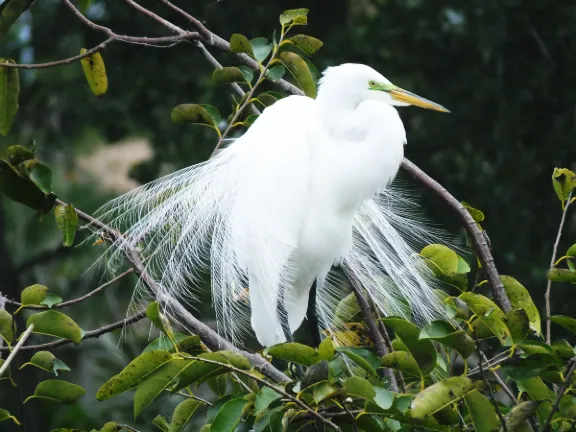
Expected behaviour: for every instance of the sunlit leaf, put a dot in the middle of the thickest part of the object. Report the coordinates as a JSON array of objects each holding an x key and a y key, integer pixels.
[
  {"x": 33, "y": 295},
  {"x": 59, "y": 391},
  {"x": 67, "y": 221},
  {"x": 133, "y": 373},
  {"x": 444, "y": 260},
  {"x": 229, "y": 416},
  {"x": 294, "y": 352},
  {"x": 422, "y": 350},
  {"x": 490, "y": 314},
  {"x": 561, "y": 275},
  {"x": 300, "y": 71},
  {"x": 439, "y": 395},
  {"x": 154, "y": 314},
  {"x": 564, "y": 182},
  {"x": 447, "y": 335},
  {"x": 294, "y": 16},
  {"x": 9, "y": 89},
  {"x": 326, "y": 349},
  {"x": 476, "y": 214},
  {"x": 95, "y": 72},
  {"x": 55, "y": 323},
  {"x": 520, "y": 299}
]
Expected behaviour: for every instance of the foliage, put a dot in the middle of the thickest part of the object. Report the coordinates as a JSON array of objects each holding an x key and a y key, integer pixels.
[{"x": 434, "y": 376}]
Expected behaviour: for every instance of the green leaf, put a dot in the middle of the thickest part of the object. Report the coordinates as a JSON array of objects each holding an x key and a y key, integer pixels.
[
  {"x": 562, "y": 275},
  {"x": 444, "y": 260},
  {"x": 9, "y": 94},
  {"x": 199, "y": 369},
  {"x": 294, "y": 16},
  {"x": 133, "y": 373},
  {"x": 562, "y": 349},
  {"x": 300, "y": 71},
  {"x": 322, "y": 391},
  {"x": 571, "y": 250},
  {"x": 264, "y": 399},
  {"x": 315, "y": 373},
  {"x": 357, "y": 386},
  {"x": 518, "y": 323},
  {"x": 347, "y": 308},
  {"x": 261, "y": 48},
  {"x": 59, "y": 391},
  {"x": 161, "y": 423},
  {"x": 367, "y": 360},
  {"x": 240, "y": 44},
  {"x": 326, "y": 349},
  {"x": 402, "y": 361},
  {"x": 294, "y": 352},
  {"x": 67, "y": 221},
  {"x": 308, "y": 44},
  {"x": 41, "y": 176},
  {"x": 441, "y": 331},
  {"x": 247, "y": 72},
  {"x": 7, "y": 374},
  {"x": 538, "y": 391},
  {"x": 95, "y": 72},
  {"x": 229, "y": 416},
  {"x": 33, "y": 295},
  {"x": 5, "y": 415},
  {"x": 51, "y": 299},
  {"x": 6, "y": 326},
  {"x": 383, "y": 398},
  {"x": 476, "y": 214},
  {"x": 227, "y": 75},
  {"x": 565, "y": 321},
  {"x": 519, "y": 415},
  {"x": 156, "y": 382},
  {"x": 57, "y": 324},
  {"x": 84, "y": 4},
  {"x": 183, "y": 414},
  {"x": 564, "y": 181},
  {"x": 276, "y": 73},
  {"x": 22, "y": 190},
  {"x": 439, "y": 395},
  {"x": 481, "y": 412},
  {"x": 184, "y": 343},
  {"x": 45, "y": 360},
  {"x": 10, "y": 11},
  {"x": 422, "y": 350},
  {"x": 489, "y": 314},
  {"x": 195, "y": 114},
  {"x": 520, "y": 299},
  {"x": 160, "y": 321},
  {"x": 18, "y": 154},
  {"x": 520, "y": 369}
]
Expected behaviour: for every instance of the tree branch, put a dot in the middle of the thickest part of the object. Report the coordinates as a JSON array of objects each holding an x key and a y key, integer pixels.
[
  {"x": 76, "y": 300},
  {"x": 17, "y": 348},
  {"x": 88, "y": 335},
  {"x": 567, "y": 380},
  {"x": 478, "y": 238},
  {"x": 552, "y": 261}
]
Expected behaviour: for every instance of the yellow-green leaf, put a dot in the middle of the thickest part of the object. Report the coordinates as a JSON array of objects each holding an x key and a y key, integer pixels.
[
  {"x": 182, "y": 414},
  {"x": 439, "y": 395},
  {"x": 306, "y": 43},
  {"x": 6, "y": 326},
  {"x": 59, "y": 391},
  {"x": 227, "y": 75},
  {"x": 294, "y": 16},
  {"x": 561, "y": 275},
  {"x": 133, "y": 373},
  {"x": 326, "y": 349},
  {"x": 294, "y": 352},
  {"x": 10, "y": 11},
  {"x": 55, "y": 323},
  {"x": 571, "y": 250},
  {"x": 264, "y": 399},
  {"x": 229, "y": 416},
  {"x": 482, "y": 412},
  {"x": 444, "y": 260},
  {"x": 565, "y": 321},
  {"x": 518, "y": 323},
  {"x": 9, "y": 94},
  {"x": 489, "y": 314},
  {"x": 67, "y": 221},
  {"x": 357, "y": 386},
  {"x": 402, "y": 361},
  {"x": 476, "y": 214},
  {"x": 240, "y": 44},
  {"x": 160, "y": 321},
  {"x": 441, "y": 331},
  {"x": 95, "y": 72},
  {"x": 520, "y": 299},
  {"x": 193, "y": 113},
  {"x": 519, "y": 415},
  {"x": 5, "y": 415},
  {"x": 300, "y": 71},
  {"x": 33, "y": 295},
  {"x": 564, "y": 182}
]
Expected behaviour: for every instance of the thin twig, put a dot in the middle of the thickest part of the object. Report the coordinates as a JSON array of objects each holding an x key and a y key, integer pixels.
[
  {"x": 556, "y": 406},
  {"x": 489, "y": 364},
  {"x": 156, "y": 17},
  {"x": 552, "y": 261},
  {"x": 76, "y": 300},
  {"x": 17, "y": 348},
  {"x": 273, "y": 387},
  {"x": 204, "y": 32},
  {"x": 89, "y": 334},
  {"x": 191, "y": 396},
  {"x": 479, "y": 239}
]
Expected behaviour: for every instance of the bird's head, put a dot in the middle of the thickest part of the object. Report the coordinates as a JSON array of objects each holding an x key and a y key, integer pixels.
[{"x": 360, "y": 82}]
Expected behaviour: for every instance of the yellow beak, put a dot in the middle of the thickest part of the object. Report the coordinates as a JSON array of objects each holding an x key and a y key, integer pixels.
[{"x": 405, "y": 96}]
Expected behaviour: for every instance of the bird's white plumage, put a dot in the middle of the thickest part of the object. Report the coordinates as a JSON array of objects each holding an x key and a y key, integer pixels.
[{"x": 304, "y": 188}]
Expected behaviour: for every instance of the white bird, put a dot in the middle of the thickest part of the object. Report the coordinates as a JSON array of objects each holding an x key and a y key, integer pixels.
[{"x": 305, "y": 188}]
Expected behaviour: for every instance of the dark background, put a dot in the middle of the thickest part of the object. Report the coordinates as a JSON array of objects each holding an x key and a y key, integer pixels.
[{"x": 505, "y": 69}]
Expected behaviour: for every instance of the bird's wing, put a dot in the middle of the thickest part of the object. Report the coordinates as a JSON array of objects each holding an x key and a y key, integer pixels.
[{"x": 237, "y": 215}]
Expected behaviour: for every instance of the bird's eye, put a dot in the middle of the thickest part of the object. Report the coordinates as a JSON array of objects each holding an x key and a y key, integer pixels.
[{"x": 372, "y": 83}]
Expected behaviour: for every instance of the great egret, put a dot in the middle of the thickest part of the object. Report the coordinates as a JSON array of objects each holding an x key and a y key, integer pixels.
[{"x": 305, "y": 188}]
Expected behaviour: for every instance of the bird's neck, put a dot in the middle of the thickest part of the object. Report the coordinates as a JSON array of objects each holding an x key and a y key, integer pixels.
[{"x": 338, "y": 112}]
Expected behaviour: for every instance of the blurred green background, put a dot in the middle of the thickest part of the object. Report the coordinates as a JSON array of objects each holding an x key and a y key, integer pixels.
[{"x": 504, "y": 67}]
